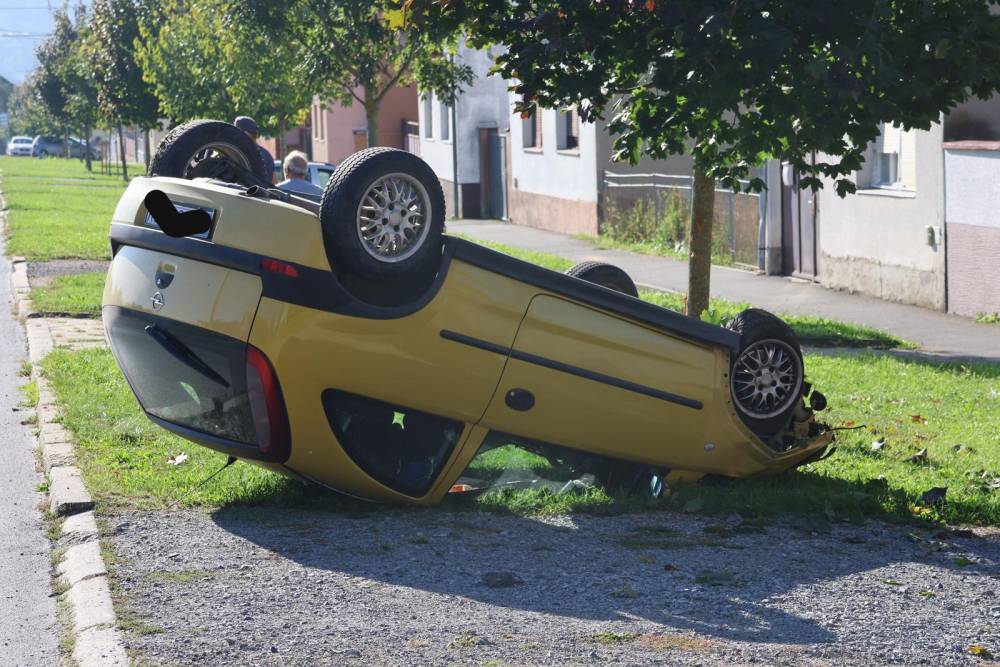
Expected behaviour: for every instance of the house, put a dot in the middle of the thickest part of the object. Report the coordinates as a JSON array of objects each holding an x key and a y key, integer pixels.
[
  {"x": 338, "y": 131},
  {"x": 921, "y": 229}
]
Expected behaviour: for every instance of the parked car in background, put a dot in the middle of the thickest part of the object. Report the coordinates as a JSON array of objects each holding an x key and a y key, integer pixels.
[
  {"x": 19, "y": 146},
  {"x": 44, "y": 146},
  {"x": 319, "y": 172}
]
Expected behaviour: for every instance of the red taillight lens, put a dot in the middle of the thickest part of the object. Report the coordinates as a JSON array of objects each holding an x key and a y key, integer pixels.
[{"x": 267, "y": 405}]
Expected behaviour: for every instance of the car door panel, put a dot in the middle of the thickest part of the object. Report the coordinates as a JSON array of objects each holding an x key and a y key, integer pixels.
[{"x": 604, "y": 384}]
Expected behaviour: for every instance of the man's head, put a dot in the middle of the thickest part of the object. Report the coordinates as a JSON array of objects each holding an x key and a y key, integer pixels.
[
  {"x": 296, "y": 165},
  {"x": 248, "y": 125}
]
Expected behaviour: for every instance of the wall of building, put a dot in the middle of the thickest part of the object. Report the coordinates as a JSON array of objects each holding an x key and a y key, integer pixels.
[
  {"x": 972, "y": 215},
  {"x": 550, "y": 188},
  {"x": 339, "y": 131},
  {"x": 483, "y": 103},
  {"x": 876, "y": 241}
]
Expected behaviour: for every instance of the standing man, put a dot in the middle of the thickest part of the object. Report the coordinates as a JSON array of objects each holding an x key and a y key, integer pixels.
[
  {"x": 249, "y": 126},
  {"x": 296, "y": 169}
]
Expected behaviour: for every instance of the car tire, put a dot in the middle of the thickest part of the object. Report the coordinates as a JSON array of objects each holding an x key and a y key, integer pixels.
[
  {"x": 43, "y": 153},
  {"x": 767, "y": 374},
  {"x": 382, "y": 214},
  {"x": 605, "y": 275},
  {"x": 206, "y": 148}
]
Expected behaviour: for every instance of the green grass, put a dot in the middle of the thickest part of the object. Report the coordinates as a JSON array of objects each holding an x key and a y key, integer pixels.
[
  {"x": 77, "y": 294},
  {"x": 57, "y": 208},
  {"x": 912, "y": 405},
  {"x": 674, "y": 251},
  {"x": 988, "y": 318}
]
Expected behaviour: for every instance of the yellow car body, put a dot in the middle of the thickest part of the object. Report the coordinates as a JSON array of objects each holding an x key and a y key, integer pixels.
[{"x": 493, "y": 345}]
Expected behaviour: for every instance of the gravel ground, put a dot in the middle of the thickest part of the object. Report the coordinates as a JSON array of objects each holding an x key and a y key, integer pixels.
[
  {"x": 293, "y": 587},
  {"x": 41, "y": 273}
]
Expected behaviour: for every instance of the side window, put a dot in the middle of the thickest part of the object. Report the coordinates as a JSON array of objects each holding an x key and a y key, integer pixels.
[
  {"x": 445, "y": 122},
  {"x": 531, "y": 129},
  {"x": 894, "y": 159},
  {"x": 402, "y": 448},
  {"x": 568, "y": 130},
  {"x": 428, "y": 116}
]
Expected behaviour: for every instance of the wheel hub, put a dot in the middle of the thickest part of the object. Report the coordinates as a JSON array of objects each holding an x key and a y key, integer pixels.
[
  {"x": 391, "y": 217},
  {"x": 767, "y": 378}
]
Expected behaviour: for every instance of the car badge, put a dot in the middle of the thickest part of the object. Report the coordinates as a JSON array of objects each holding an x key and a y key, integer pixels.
[{"x": 157, "y": 300}]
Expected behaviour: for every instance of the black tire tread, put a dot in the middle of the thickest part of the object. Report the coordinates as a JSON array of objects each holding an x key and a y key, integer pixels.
[
  {"x": 344, "y": 178},
  {"x": 163, "y": 159},
  {"x": 583, "y": 269}
]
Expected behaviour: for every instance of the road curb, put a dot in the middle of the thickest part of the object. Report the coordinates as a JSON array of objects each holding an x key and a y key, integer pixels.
[{"x": 97, "y": 641}]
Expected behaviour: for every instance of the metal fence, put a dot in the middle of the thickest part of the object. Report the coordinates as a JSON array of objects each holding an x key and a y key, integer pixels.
[{"x": 736, "y": 224}]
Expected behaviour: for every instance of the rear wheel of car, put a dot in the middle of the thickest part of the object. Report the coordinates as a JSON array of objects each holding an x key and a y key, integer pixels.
[
  {"x": 605, "y": 275},
  {"x": 382, "y": 214},
  {"x": 767, "y": 374},
  {"x": 210, "y": 149}
]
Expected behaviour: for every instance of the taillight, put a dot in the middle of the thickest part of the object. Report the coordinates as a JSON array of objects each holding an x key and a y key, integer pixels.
[{"x": 267, "y": 406}]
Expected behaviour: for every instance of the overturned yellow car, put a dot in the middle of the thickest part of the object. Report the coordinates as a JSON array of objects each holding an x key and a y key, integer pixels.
[{"x": 347, "y": 341}]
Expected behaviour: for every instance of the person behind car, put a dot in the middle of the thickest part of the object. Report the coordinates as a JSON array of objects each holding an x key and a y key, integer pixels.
[
  {"x": 249, "y": 126},
  {"x": 296, "y": 169}
]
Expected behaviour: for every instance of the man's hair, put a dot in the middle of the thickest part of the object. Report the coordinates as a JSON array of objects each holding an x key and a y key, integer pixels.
[{"x": 297, "y": 164}]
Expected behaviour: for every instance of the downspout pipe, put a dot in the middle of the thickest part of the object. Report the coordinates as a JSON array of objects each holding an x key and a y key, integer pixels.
[{"x": 454, "y": 152}]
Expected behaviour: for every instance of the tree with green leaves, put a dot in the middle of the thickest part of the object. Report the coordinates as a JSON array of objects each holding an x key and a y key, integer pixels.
[
  {"x": 123, "y": 96},
  {"x": 356, "y": 50},
  {"x": 63, "y": 79},
  {"x": 28, "y": 116},
  {"x": 202, "y": 62},
  {"x": 735, "y": 82}
]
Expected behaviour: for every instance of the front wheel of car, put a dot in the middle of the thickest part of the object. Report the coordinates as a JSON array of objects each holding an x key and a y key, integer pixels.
[
  {"x": 382, "y": 215},
  {"x": 766, "y": 377}
]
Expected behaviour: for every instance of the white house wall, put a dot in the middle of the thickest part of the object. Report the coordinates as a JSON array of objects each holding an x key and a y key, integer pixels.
[
  {"x": 483, "y": 103},
  {"x": 877, "y": 241}
]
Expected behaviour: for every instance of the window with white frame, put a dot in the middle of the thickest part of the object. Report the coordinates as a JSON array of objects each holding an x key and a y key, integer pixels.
[
  {"x": 568, "y": 130},
  {"x": 894, "y": 160},
  {"x": 531, "y": 128},
  {"x": 428, "y": 116},
  {"x": 445, "y": 122}
]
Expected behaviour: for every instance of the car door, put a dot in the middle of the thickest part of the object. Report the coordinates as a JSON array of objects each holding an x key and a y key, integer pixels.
[{"x": 589, "y": 380}]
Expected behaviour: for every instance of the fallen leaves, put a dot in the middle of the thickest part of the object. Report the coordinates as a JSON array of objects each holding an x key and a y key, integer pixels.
[
  {"x": 933, "y": 496},
  {"x": 919, "y": 457},
  {"x": 918, "y": 419},
  {"x": 980, "y": 651}
]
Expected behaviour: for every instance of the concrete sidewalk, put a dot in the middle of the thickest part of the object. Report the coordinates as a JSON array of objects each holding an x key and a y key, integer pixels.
[{"x": 937, "y": 334}]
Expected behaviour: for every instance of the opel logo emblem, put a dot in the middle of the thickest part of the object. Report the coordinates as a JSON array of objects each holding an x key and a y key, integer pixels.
[{"x": 157, "y": 301}]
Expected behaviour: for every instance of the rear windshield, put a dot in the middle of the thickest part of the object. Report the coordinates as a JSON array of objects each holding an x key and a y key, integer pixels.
[{"x": 183, "y": 374}]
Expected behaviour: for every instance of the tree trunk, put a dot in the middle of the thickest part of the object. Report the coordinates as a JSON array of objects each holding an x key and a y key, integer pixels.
[
  {"x": 146, "y": 148},
  {"x": 121, "y": 152},
  {"x": 279, "y": 142},
  {"x": 700, "y": 257},
  {"x": 69, "y": 152},
  {"x": 371, "y": 115},
  {"x": 86, "y": 148}
]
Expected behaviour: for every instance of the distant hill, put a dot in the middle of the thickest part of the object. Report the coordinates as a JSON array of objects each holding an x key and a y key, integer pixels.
[{"x": 5, "y": 89}]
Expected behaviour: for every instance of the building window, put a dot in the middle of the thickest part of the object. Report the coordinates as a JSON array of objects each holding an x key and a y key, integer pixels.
[
  {"x": 568, "y": 130},
  {"x": 531, "y": 128},
  {"x": 428, "y": 117},
  {"x": 894, "y": 159},
  {"x": 445, "y": 122}
]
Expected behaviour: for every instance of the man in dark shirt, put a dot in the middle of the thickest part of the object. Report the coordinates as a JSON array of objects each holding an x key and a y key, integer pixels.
[{"x": 249, "y": 126}]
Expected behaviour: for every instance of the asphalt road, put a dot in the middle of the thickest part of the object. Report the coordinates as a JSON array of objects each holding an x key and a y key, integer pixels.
[{"x": 28, "y": 634}]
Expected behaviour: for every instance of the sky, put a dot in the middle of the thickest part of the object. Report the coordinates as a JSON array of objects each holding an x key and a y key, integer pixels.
[{"x": 21, "y": 22}]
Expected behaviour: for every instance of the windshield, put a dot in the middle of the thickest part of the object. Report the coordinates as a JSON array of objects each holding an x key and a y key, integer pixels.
[{"x": 21, "y": 140}]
